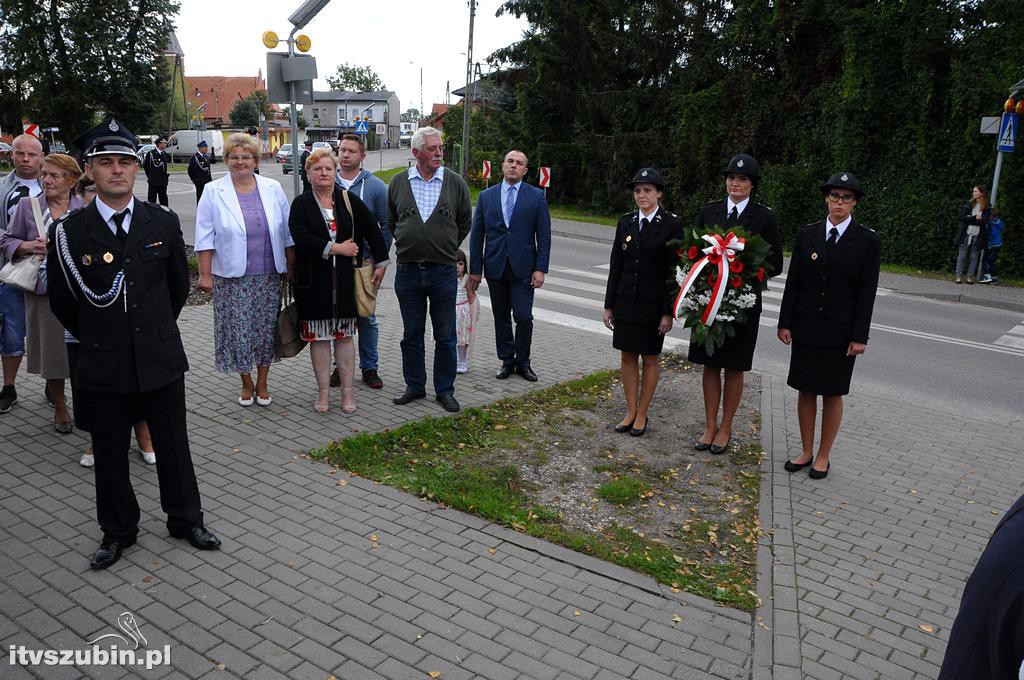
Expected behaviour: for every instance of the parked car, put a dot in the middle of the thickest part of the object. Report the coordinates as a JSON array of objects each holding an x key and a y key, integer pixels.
[
  {"x": 323, "y": 145},
  {"x": 334, "y": 144},
  {"x": 284, "y": 156},
  {"x": 182, "y": 144},
  {"x": 143, "y": 150},
  {"x": 6, "y": 154}
]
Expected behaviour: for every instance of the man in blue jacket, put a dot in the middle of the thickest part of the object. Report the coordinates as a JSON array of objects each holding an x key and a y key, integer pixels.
[
  {"x": 372, "y": 191},
  {"x": 510, "y": 242}
]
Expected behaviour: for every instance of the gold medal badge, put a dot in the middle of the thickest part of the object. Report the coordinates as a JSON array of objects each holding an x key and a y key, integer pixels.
[
  {"x": 108, "y": 257},
  {"x": 86, "y": 260}
]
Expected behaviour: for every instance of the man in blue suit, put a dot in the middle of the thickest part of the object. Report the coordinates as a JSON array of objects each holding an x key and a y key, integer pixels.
[{"x": 510, "y": 243}]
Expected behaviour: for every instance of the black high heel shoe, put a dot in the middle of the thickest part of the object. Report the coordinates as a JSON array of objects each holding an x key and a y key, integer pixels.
[
  {"x": 790, "y": 466},
  {"x": 639, "y": 432},
  {"x": 622, "y": 429}
]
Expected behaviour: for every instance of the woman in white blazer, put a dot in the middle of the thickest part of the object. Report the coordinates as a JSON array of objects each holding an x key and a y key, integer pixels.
[{"x": 244, "y": 249}]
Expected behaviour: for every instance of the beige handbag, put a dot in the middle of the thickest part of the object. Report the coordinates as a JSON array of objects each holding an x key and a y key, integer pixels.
[
  {"x": 366, "y": 294},
  {"x": 24, "y": 272}
]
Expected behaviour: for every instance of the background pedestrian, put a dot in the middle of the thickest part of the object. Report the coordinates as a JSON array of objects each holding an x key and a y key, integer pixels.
[
  {"x": 994, "y": 234},
  {"x": 970, "y": 236},
  {"x": 156, "y": 164},
  {"x": 199, "y": 168}
]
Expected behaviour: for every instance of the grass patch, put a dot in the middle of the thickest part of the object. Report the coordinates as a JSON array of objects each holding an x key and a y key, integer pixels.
[
  {"x": 476, "y": 460},
  {"x": 386, "y": 175},
  {"x": 622, "y": 491}
]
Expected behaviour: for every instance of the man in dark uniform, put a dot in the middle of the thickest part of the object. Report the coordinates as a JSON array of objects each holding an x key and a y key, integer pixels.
[
  {"x": 120, "y": 278},
  {"x": 155, "y": 165},
  {"x": 199, "y": 169},
  {"x": 826, "y": 315},
  {"x": 302, "y": 164},
  {"x": 987, "y": 639}
]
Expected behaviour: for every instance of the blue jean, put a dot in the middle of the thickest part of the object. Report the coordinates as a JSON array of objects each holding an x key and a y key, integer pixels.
[
  {"x": 12, "y": 321},
  {"x": 419, "y": 287},
  {"x": 368, "y": 330}
]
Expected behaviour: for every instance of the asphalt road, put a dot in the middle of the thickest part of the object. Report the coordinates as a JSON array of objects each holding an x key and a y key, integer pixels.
[{"x": 954, "y": 356}]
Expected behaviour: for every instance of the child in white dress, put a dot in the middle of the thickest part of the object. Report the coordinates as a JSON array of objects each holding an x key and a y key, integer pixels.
[{"x": 467, "y": 313}]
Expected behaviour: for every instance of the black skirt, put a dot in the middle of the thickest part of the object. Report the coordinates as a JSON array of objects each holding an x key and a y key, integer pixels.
[
  {"x": 637, "y": 338},
  {"x": 825, "y": 371},
  {"x": 736, "y": 353}
]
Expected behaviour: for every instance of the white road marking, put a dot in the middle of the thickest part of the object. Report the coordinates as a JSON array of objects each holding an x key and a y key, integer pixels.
[{"x": 1014, "y": 337}]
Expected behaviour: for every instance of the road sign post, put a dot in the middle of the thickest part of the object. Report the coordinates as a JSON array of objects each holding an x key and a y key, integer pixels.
[
  {"x": 1007, "y": 139},
  {"x": 486, "y": 173},
  {"x": 545, "y": 179}
]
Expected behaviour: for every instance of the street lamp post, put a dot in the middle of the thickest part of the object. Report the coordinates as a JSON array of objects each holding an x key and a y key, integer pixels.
[{"x": 467, "y": 100}]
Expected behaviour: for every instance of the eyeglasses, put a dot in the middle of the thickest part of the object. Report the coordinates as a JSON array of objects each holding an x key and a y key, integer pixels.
[
  {"x": 240, "y": 158},
  {"x": 841, "y": 198}
]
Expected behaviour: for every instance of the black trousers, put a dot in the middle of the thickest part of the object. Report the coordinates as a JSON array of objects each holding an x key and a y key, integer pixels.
[
  {"x": 512, "y": 299},
  {"x": 110, "y": 416},
  {"x": 199, "y": 191},
  {"x": 158, "y": 192}
]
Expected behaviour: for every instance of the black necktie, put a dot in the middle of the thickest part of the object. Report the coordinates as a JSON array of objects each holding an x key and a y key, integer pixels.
[
  {"x": 118, "y": 218},
  {"x": 833, "y": 235},
  {"x": 733, "y": 215},
  {"x": 644, "y": 223}
]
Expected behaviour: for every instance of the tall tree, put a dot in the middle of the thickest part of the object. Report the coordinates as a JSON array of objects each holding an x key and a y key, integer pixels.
[
  {"x": 67, "y": 62},
  {"x": 355, "y": 79}
]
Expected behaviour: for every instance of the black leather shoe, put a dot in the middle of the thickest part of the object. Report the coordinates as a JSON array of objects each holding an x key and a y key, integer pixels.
[
  {"x": 701, "y": 446},
  {"x": 790, "y": 466},
  {"x": 109, "y": 552},
  {"x": 407, "y": 396},
  {"x": 623, "y": 429},
  {"x": 818, "y": 474},
  {"x": 503, "y": 373},
  {"x": 335, "y": 378},
  {"x": 527, "y": 373},
  {"x": 372, "y": 379},
  {"x": 449, "y": 402},
  {"x": 719, "y": 450},
  {"x": 199, "y": 537},
  {"x": 639, "y": 431}
]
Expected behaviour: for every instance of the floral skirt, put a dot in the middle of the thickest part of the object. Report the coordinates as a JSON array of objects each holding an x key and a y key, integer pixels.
[
  {"x": 245, "y": 321},
  {"x": 328, "y": 329}
]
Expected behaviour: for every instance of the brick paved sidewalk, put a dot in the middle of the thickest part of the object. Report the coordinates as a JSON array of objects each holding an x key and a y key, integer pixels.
[
  {"x": 300, "y": 590},
  {"x": 866, "y": 567}
]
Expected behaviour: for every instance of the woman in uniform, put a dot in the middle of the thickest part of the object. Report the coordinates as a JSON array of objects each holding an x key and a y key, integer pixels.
[
  {"x": 640, "y": 292},
  {"x": 826, "y": 315},
  {"x": 735, "y": 356}
]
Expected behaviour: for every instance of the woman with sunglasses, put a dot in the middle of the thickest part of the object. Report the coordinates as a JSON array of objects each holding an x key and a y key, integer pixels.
[{"x": 826, "y": 315}]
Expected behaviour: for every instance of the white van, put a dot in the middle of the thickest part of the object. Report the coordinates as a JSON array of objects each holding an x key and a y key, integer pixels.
[{"x": 182, "y": 144}]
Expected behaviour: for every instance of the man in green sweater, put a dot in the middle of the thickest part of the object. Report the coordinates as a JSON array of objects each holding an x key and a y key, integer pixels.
[{"x": 430, "y": 211}]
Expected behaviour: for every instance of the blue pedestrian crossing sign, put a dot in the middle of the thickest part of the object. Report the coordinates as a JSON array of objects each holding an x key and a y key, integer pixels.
[
  {"x": 1007, "y": 133},
  {"x": 363, "y": 129}
]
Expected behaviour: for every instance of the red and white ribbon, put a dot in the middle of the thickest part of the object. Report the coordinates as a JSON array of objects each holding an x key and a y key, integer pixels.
[{"x": 721, "y": 252}]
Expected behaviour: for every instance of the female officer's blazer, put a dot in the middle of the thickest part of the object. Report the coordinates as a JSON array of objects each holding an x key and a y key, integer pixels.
[
  {"x": 641, "y": 277},
  {"x": 829, "y": 298}
]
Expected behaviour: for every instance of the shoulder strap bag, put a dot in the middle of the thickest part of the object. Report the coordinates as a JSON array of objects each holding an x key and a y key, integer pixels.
[
  {"x": 23, "y": 273},
  {"x": 366, "y": 294}
]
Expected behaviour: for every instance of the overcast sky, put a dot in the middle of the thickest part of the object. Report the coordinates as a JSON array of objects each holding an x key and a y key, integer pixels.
[{"x": 223, "y": 38}]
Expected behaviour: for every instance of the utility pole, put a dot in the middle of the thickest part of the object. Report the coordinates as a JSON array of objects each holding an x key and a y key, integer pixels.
[{"x": 467, "y": 100}]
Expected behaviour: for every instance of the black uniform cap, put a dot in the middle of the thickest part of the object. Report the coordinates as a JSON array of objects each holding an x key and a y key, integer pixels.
[
  {"x": 647, "y": 176},
  {"x": 843, "y": 180},
  {"x": 742, "y": 164},
  {"x": 201, "y": 144},
  {"x": 308, "y": 142},
  {"x": 107, "y": 138}
]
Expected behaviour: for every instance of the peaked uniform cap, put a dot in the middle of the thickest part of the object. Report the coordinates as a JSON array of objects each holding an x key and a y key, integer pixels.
[
  {"x": 843, "y": 180},
  {"x": 647, "y": 176},
  {"x": 743, "y": 164},
  {"x": 107, "y": 138}
]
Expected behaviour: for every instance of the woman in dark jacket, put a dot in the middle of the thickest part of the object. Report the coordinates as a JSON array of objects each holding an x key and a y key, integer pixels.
[
  {"x": 739, "y": 209},
  {"x": 640, "y": 292},
  {"x": 971, "y": 237},
  {"x": 321, "y": 224}
]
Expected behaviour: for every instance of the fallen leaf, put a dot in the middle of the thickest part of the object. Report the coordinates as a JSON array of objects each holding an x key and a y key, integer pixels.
[
  {"x": 913, "y": 491},
  {"x": 342, "y": 482},
  {"x": 492, "y": 550},
  {"x": 147, "y": 578},
  {"x": 434, "y": 674},
  {"x": 373, "y": 537},
  {"x": 676, "y": 619},
  {"x": 577, "y": 613},
  {"x": 496, "y": 427},
  {"x": 677, "y": 558},
  {"x": 220, "y": 666},
  {"x": 928, "y": 628}
]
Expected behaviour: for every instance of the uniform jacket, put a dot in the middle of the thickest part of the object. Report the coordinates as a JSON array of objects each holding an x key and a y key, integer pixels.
[
  {"x": 828, "y": 300},
  {"x": 199, "y": 169},
  {"x": 525, "y": 243},
  {"x": 757, "y": 220},
  {"x": 313, "y": 273},
  {"x": 967, "y": 218},
  {"x": 641, "y": 279},
  {"x": 132, "y": 345},
  {"x": 987, "y": 638},
  {"x": 155, "y": 165},
  {"x": 302, "y": 166},
  {"x": 221, "y": 228}
]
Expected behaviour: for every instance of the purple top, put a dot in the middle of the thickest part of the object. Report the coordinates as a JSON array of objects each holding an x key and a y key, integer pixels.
[
  {"x": 22, "y": 227},
  {"x": 259, "y": 254}
]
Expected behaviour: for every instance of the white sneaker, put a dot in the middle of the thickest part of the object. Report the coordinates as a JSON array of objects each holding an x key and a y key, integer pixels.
[
  {"x": 148, "y": 456},
  {"x": 87, "y": 460},
  {"x": 463, "y": 367}
]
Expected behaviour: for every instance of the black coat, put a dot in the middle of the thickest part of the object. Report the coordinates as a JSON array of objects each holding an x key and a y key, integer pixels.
[
  {"x": 987, "y": 638},
  {"x": 967, "y": 218},
  {"x": 829, "y": 299},
  {"x": 155, "y": 164},
  {"x": 199, "y": 169},
  {"x": 132, "y": 345},
  {"x": 314, "y": 274},
  {"x": 641, "y": 278}
]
